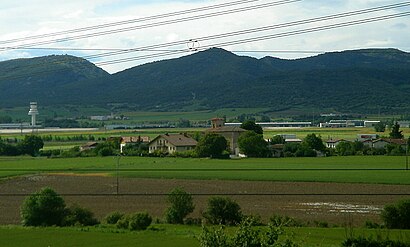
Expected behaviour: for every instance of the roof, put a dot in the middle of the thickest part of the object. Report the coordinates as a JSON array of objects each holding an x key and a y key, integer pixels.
[
  {"x": 293, "y": 140},
  {"x": 226, "y": 129},
  {"x": 335, "y": 140},
  {"x": 134, "y": 139},
  {"x": 178, "y": 140},
  {"x": 89, "y": 144},
  {"x": 392, "y": 141}
]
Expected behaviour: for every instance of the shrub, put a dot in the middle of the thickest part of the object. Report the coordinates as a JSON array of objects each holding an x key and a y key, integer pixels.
[
  {"x": 113, "y": 218},
  {"x": 136, "y": 221},
  {"x": 285, "y": 221},
  {"x": 369, "y": 242},
  {"x": 397, "y": 216},
  {"x": 181, "y": 205},
  {"x": 123, "y": 223},
  {"x": 43, "y": 208},
  {"x": 223, "y": 210},
  {"x": 139, "y": 221},
  {"x": 79, "y": 216},
  {"x": 245, "y": 235}
]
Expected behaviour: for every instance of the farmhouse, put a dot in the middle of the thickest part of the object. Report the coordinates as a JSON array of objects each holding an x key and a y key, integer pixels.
[
  {"x": 127, "y": 140},
  {"x": 231, "y": 133},
  {"x": 332, "y": 143},
  {"x": 382, "y": 142},
  {"x": 171, "y": 143}
]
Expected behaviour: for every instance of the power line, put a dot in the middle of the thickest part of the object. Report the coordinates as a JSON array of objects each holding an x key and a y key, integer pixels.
[
  {"x": 253, "y": 30},
  {"x": 112, "y": 24},
  {"x": 262, "y": 38},
  {"x": 246, "y": 31},
  {"x": 156, "y": 24},
  {"x": 285, "y": 34}
]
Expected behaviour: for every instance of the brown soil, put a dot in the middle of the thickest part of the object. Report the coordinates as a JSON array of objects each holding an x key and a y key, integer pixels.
[{"x": 99, "y": 194}]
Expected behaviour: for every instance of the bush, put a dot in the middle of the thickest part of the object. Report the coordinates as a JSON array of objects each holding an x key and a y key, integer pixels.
[
  {"x": 181, "y": 205},
  {"x": 223, "y": 210},
  {"x": 285, "y": 221},
  {"x": 369, "y": 242},
  {"x": 78, "y": 216},
  {"x": 113, "y": 218},
  {"x": 245, "y": 235},
  {"x": 43, "y": 208},
  {"x": 139, "y": 221},
  {"x": 136, "y": 221},
  {"x": 397, "y": 216}
]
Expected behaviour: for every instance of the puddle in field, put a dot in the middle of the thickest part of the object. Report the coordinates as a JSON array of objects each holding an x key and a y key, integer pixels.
[{"x": 337, "y": 208}]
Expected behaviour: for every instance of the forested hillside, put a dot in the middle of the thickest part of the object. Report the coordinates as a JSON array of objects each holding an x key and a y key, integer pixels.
[{"x": 353, "y": 81}]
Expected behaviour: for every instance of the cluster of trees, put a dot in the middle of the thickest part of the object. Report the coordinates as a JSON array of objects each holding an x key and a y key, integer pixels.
[
  {"x": 47, "y": 208},
  {"x": 30, "y": 145}
]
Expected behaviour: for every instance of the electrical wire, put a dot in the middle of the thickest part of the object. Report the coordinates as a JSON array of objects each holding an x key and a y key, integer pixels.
[
  {"x": 118, "y": 23},
  {"x": 156, "y": 24},
  {"x": 234, "y": 42},
  {"x": 261, "y": 38}
]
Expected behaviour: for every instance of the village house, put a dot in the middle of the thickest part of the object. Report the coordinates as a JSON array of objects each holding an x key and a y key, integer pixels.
[
  {"x": 127, "y": 140},
  {"x": 171, "y": 143},
  {"x": 332, "y": 143},
  {"x": 383, "y": 142},
  {"x": 231, "y": 133}
]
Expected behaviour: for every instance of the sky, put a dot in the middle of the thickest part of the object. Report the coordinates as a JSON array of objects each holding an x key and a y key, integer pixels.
[{"x": 25, "y": 18}]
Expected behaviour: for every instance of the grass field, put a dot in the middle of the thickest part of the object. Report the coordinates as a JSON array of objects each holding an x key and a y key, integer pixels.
[
  {"x": 162, "y": 235},
  {"x": 354, "y": 169}
]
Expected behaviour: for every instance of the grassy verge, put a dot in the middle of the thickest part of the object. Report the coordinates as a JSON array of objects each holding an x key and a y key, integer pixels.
[{"x": 162, "y": 235}]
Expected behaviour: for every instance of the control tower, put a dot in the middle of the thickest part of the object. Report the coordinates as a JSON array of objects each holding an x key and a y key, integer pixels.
[{"x": 33, "y": 113}]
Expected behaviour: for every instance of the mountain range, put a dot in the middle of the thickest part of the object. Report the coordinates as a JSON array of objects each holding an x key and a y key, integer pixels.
[{"x": 359, "y": 81}]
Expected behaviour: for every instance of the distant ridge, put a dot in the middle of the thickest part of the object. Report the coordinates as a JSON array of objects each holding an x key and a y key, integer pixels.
[{"x": 366, "y": 81}]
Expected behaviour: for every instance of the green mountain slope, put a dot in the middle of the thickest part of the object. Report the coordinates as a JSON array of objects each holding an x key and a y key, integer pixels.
[
  {"x": 354, "y": 81},
  {"x": 41, "y": 79}
]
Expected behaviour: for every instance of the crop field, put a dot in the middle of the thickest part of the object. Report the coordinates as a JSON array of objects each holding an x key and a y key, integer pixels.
[
  {"x": 330, "y": 189},
  {"x": 351, "y": 169}
]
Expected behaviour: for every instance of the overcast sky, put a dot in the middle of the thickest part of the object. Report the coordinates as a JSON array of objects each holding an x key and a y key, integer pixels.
[{"x": 23, "y": 18}]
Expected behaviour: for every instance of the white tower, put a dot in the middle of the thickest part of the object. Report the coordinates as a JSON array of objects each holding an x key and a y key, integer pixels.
[{"x": 33, "y": 112}]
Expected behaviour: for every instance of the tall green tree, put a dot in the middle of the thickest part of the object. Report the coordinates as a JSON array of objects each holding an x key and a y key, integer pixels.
[
  {"x": 253, "y": 144},
  {"x": 277, "y": 139},
  {"x": 181, "y": 205},
  {"x": 31, "y": 145},
  {"x": 211, "y": 145},
  {"x": 251, "y": 125},
  {"x": 380, "y": 127},
  {"x": 396, "y": 133},
  {"x": 314, "y": 142},
  {"x": 43, "y": 208}
]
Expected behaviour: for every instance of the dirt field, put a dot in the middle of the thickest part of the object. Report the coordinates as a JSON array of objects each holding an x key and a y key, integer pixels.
[{"x": 103, "y": 199}]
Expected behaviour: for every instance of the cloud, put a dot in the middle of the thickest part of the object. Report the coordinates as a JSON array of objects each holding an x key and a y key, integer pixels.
[{"x": 24, "y": 19}]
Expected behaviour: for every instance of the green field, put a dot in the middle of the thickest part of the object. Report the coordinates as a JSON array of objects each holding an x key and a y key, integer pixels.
[
  {"x": 354, "y": 169},
  {"x": 162, "y": 235}
]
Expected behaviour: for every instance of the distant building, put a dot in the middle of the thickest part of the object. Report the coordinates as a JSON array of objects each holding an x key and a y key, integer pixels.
[
  {"x": 383, "y": 142},
  {"x": 171, "y": 143},
  {"x": 404, "y": 124},
  {"x": 277, "y": 124},
  {"x": 231, "y": 133},
  {"x": 127, "y": 140},
  {"x": 365, "y": 137},
  {"x": 370, "y": 124},
  {"x": 88, "y": 146},
  {"x": 332, "y": 143},
  {"x": 100, "y": 118}
]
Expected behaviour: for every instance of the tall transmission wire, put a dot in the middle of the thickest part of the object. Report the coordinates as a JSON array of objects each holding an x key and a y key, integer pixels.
[{"x": 155, "y": 24}]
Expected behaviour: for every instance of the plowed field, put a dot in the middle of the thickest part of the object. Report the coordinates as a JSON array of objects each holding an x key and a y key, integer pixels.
[{"x": 336, "y": 203}]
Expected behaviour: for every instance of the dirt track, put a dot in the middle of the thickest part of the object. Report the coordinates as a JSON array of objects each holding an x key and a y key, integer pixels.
[{"x": 331, "y": 208}]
